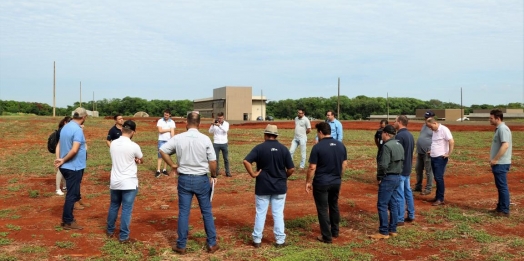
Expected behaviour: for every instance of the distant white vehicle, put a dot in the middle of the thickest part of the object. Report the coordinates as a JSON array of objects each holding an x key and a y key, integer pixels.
[{"x": 463, "y": 119}]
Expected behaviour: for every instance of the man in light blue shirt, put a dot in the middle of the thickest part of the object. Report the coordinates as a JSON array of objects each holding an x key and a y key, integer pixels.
[
  {"x": 337, "y": 132},
  {"x": 302, "y": 129}
]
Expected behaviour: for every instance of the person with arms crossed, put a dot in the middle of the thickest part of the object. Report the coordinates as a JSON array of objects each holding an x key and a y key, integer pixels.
[
  {"x": 500, "y": 160},
  {"x": 442, "y": 144},
  {"x": 390, "y": 164},
  {"x": 196, "y": 157},
  {"x": 327, "y": 163},
  {"x": 423, "y": 158},
  {"x": 71, "y": 163},
  {"x": 274, "y": 166},
  {"x": 116, "y": 131},
  {"x": 125, "y": 155},
  {"x": 166, "y": 129},
  {"x": 219, "y": 130},
  {"x": 302, "y": 129},
  {"x": 404, "y": 195}
]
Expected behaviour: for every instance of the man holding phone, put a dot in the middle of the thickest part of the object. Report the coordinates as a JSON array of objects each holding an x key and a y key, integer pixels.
[{"x": 219, "y": 129}]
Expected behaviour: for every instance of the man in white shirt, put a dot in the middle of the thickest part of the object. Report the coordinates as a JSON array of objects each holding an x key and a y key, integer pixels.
[
  {"x": 219, "y": 129},
  {"x": 302, "y": 129},
  {"x": 125, "y": 155},
  {"x": 166, "y": 129}
]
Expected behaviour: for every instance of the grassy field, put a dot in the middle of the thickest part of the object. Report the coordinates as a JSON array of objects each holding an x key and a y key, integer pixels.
[{"x": 462, "y": 230}]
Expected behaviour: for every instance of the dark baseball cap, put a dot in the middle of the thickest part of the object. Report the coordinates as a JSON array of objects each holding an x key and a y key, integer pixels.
[
  {"x": 389, "y": 129},
  {"x": 429, "y": 114},
  {"x": 129, "y": 124}
]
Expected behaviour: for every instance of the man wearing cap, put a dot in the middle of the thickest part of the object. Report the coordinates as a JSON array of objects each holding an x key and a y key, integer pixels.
[
  {"x": 390, "y": 165},
  {"x": 116, "y": 131},
  {"x": 166, "y": 129},
  {"x": 404, "y": 195},
  {"x": 327, "y": 163},
  {"x": 423, "y": 158},
  {"x": 71, "y": 163},
  {"x": 196, "y": 157},
  {"x": 274, "y": 166},
  {"x": 125, "y": 155},
  {"x": 302, "y": 129},
  {"x": 442, "y": 144},
  {"x": 500, "y": 160}
]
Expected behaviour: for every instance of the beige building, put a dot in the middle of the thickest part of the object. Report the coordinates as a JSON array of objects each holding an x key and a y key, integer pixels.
[{"x": 236, "y": 102}]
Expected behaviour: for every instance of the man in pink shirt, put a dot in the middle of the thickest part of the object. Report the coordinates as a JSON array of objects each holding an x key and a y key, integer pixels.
[{"x": 442, "y": 144}]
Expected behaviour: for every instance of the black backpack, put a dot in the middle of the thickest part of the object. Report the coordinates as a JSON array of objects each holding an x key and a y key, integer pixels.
[{"x": 52, "y": 141}]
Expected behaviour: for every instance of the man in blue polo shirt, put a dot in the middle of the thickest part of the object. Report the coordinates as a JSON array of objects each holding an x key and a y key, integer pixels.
[
  {"x": 274, "y": 166},
  {"x": 327, "y": 162},
  {"x": 72, "y": 163}
]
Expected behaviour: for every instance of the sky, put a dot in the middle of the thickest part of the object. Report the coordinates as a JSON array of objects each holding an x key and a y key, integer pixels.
[{"x": 174, "y": 49}]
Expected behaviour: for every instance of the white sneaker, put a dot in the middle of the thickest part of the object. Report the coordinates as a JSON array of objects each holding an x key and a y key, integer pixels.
[{"x": 59, "y": 192}]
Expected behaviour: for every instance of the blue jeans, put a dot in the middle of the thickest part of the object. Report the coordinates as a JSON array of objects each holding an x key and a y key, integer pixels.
[
  {"x": 294, "y": 144},
  {"x": 198, "y": 185},
  {"x": 438, "y": 164},
  {"x": 126, "y": 198},
  {"x": 404, "y": 197},
  {"x": 277, "y": 209},
  {"x": 160, "y": 143},
  {"x": 423, "y": 163},
  {"x": 385, "y": 202},
  {"x": 326, "y": 201},
  {"x": 223, "y": 148},
  {"x": 73, "y": 179},
  {"x": 500, "y": 172}
]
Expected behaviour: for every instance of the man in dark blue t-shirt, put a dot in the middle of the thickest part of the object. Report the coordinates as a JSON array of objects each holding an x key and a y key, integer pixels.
[
  {"x": 274, "y": 166},
  {"x": 327, "y": 162}
]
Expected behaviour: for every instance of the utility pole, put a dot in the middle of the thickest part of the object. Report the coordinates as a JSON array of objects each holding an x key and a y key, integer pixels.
[
  {"x": 461, "y": 107},
  {"x": 338, "y": 99},
  {"x": 54, "y": 89},
  {"x": 387, "y": 104},
  {"x": 80, "y": 94},
  {"x": 261, "y": 103},
  {"x": 93, "y": 101}
]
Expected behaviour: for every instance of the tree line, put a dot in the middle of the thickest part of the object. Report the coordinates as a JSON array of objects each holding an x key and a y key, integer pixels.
[{"x": 359, "y": 107}]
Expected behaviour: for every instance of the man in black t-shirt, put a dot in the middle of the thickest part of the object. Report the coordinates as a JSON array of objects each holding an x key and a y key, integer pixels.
[
  {"x": 116, "y": 131},
  {"x": 327, "y": 163},
  {"x": 274, "y": 166}
]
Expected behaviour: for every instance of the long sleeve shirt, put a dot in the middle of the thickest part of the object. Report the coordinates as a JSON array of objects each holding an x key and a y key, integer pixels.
[
  {"x": 391, "y": 158},
  {"x": 219, "y": 132}
]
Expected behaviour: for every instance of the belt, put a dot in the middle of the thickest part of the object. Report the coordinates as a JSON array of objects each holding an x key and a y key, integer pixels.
[
  {"x": 204, "y": 174},
  {"x": 392, "y": 174}
]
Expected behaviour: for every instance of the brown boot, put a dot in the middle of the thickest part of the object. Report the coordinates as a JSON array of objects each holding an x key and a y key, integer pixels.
[{"x": 78, "y": 206}]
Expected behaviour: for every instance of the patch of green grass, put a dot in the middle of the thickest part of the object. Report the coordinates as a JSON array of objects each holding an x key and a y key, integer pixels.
[
  {"x": 13, "y": 227},
  {"x": 5, "y": 241},
  {"x": 65, "y": 244},
  {"x": 4, "y": 213},
  {"x": 199, "y": 234},
  {"x": 6, "y": 257},
  {"x": 32, "y": 249},
  {"x": 75, "y": 235},
  {"x": 4, "y": 234},
  {"x": 301, "y": 222},
  {"x": 34, "y": 193},
  {"x": 15, "y": 188}
]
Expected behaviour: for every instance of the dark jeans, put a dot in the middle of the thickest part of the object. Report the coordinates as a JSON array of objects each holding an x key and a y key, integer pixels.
[
  {"x": 500, "y": 172},
  {"x": 385, "y": 202},
  {"x": 198, "y": 185},
  {"x": 423, "y": 163},
  {"x": 73, "y": 179},
  {"x": 223, "y": 148},
  {"x": 126, "y": 199},
  {"x": 438, "y": 164},
  {"x": 326, "y": 198}
]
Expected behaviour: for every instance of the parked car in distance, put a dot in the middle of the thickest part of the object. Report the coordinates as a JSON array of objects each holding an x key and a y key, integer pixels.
[
  {"x": 259, "y": 118},
  {"x": 269, "y": 118},
  {"x": 463, "y": 119}
]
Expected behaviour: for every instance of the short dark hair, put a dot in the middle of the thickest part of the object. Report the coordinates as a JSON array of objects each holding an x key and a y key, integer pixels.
[
  {"x": 497, "y": 114},
  {"x": 220, "y": 114},
  {"x": 384, "y": 121},
  {"x": 324, "y": 128},
  {"x": 300, "y": 109},
  {"x": 332, "y": 112},
  {"x": 167, "y": 111},
  {"x": 193, "y": 118},
  {"x": 403, "y": 119},
  {"x": 116, "y": 116}
]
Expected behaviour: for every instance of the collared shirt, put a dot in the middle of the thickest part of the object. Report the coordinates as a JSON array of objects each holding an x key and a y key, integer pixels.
[
  {"x": 502, "y": 134},
  {"x": 440, "y": 141},
  {"x": 301, "y": 125},
  {"x": 166, "y": 125},
  {"x": 70, "y": 133},
  {"x": 328, "y": 154},
  {"x": 405, "y": 138},
  {"x": 124, "y": 169},
  {"x": 391, "y": 158},
  {"x": 193, "y": 150},
  {"x": 424, "y": 140},
  {"x": 219, "y": 132},
  {"x": 337, "y": 132},
  {"x": 114, "y": 133},
  {"x": 273, "y": 159}
]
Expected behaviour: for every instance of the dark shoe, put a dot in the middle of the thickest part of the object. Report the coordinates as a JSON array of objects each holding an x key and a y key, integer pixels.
[
  {"x": 157, "y": 174},
  {"x": 400, "y": 224},
  {"x": 280, "y": 245},
  {"x": 417, "y": 190},
  {"x": 494, "y": 211},
  {"x": 502, "y": 214},
  {"x": 257, "y": 245},
  {"x": 432, "y": 200},
  {"x": 228, "y": 175},
  {"x": 334, "y": 235},
  {"x": 212, "y": 249},
  {"x": 438, "y": 203},
  {"x": 409, "y": 220},
  {"x": 110, "y": 235},
  {"x": 180, "y": 251},
  {"x": 165, "y": 172},
  {"x": 72, "y": 225},
  {"x": 425, "y": 192},
  {"x": 321, "y": 239},
  {"x": 128, "y": 241}
]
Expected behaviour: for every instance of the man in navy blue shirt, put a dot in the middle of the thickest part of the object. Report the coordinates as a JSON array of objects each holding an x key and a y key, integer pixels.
[
  {"x": 327, "y": 162},
  {"x": 404, "y": 195},
  {"x": 274, "y": 166}
]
